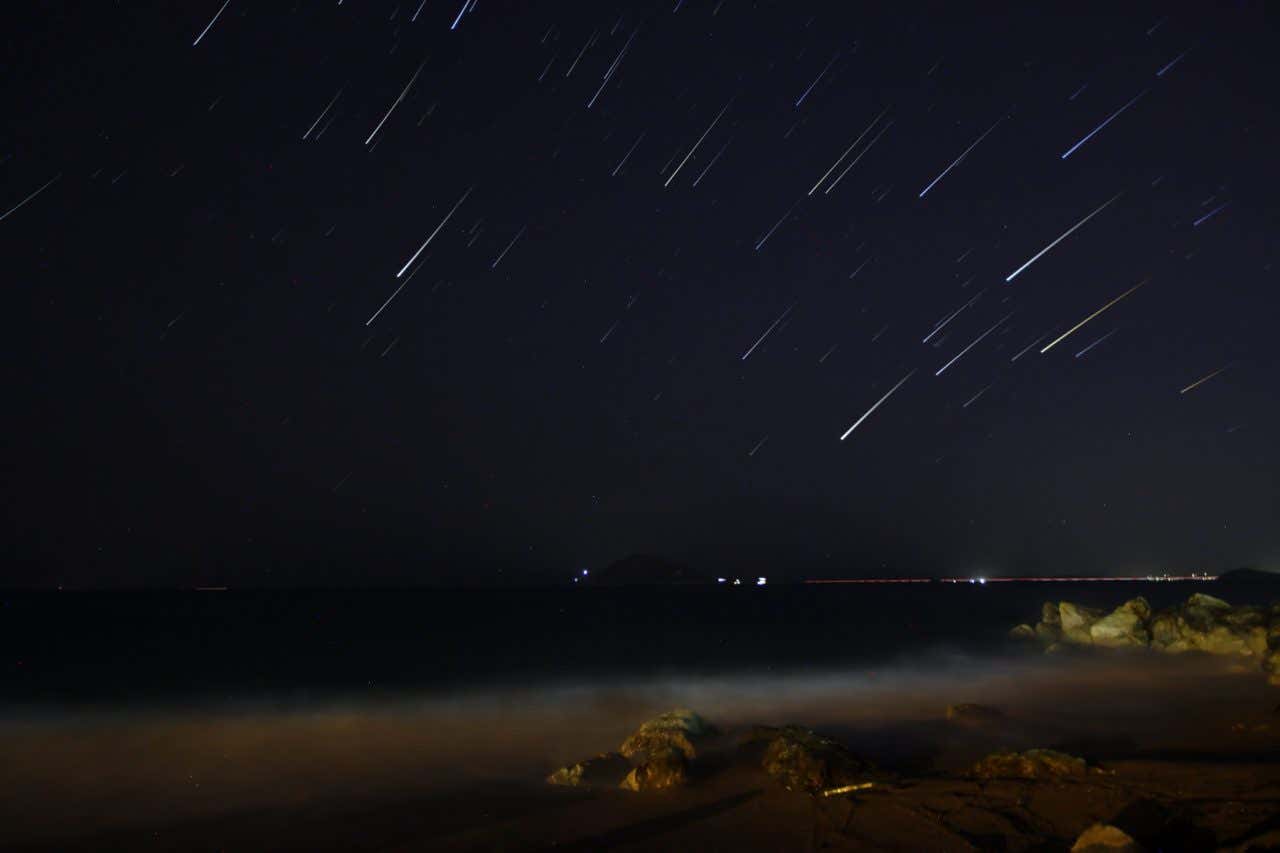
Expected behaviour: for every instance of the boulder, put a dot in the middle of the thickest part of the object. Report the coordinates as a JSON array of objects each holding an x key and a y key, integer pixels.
[
  {"x": 1167, "y": 634},
  {"x": 971, "y": 714},
  {"x": 658, "y": 769},
  {"x": 1076, "y": 621},
  {"x": 804, "y": 761},
  {"x": 607, "y": 770},
  {"x": 1199, "y": 599},
  {"x": 1022, "y": 632},
  {"x": 1048, "y": 634},
  {"x": 1126, "y": 626},
  {"x": 679, "y": 729},
  {"x": 1273, "y": 627},
  {"x": 1101, "y": 838},
  {"x": 1049, "y": 614},
  {"x": 1032, "y": 764}
]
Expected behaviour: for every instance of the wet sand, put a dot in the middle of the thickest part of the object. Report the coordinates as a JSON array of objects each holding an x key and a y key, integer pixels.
[{"x": 1186, "y": 754}]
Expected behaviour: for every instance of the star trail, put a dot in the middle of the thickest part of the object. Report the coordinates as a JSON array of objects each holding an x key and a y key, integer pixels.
[{"x": 626, "y": 317}]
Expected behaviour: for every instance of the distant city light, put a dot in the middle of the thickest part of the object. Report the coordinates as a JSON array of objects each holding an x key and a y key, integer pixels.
[
  {"x": 759, "y": 581},
  {"x": 719, "y": 580},
  {"x": 584, "y": 572}
]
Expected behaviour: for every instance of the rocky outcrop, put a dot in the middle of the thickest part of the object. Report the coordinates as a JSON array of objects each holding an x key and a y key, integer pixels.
[
  {"x": 1032, "y": 764},
  {"x": 1202, "y": 623},
  {"x": 679, "y": 729},
  {"x": 804, "y": 761},
  {"x": 1101, "y": 838},
  {"x": 653, "y": 757},
  {"x": 665, "y": 768}
]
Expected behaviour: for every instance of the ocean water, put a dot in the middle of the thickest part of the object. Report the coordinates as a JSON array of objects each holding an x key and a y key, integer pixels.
[
  {"x": 80, "y": 649},
  {"x": 128, "y": 712}
]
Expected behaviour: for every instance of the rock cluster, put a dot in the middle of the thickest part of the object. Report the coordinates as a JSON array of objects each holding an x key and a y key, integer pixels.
[
  {"x": 654, "y": 756},
  {"x": 658, "y": 754},
  {"x": 1202, "y": 623}
]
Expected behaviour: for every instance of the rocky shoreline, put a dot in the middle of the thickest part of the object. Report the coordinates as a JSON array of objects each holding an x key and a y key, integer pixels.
[
  {"x": 1010, "y": 800},
  {"x": 1202, "y": 623}
]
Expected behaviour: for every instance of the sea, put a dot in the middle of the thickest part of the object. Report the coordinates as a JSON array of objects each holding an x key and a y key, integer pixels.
[
  {"x": 298, "y": 648},
  {"x": 143, "y": 720}
]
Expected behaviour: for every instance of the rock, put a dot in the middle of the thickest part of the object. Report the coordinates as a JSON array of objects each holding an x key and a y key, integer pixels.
[
  {"x": 607, "y": 770},
  {"x": 1273, "y": 627},
  {"x": 1076, "y": 621},
  {"x": 1022, "y": 632},
  {"x": 1049, "y": 614},
  {"x": 1123, "y": 627},
  {"x": 1166, "y": 635},
  {"x": 804, "y": 761},
  {"x": 1202, "y": 623},
  {"x": 1032, "y": 764},
  {"x": 1271, "y": 666},
  {"x": 969, "y": 713},
  {"x": 1048, "y": 634},
  {"x": 1101, "y": 838},
  {"x": 677, "y": 729},
  {"x": 664, "y": 768},
  {"x": 1199, "y": 599}
]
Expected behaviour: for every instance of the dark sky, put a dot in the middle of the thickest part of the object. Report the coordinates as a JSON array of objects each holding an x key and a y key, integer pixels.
[{"x": 197, "y": 394}]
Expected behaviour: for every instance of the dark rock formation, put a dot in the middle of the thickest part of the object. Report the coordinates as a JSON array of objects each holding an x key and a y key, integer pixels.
[
  {"x": 1032, "y": 764},
  {"x": 804, "y": 761},
  {"x": 658, "y": 769}
]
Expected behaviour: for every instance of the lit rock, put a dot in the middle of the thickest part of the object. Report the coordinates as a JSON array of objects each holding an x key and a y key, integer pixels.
[
  {"x": 678, "y": 729},
  {"x": 658, "y": 769},
  {"x": 1101, "y": 838},
  {"x": 1124, "y": 627},
  {"x": 1076, "y": 621}
]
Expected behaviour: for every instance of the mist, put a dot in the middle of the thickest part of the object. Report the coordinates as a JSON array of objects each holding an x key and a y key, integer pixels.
[{"x": 93, "y": 771}]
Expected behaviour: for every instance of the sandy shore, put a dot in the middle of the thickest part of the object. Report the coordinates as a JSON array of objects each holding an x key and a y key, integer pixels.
[{"x": 1185, "y": 755}]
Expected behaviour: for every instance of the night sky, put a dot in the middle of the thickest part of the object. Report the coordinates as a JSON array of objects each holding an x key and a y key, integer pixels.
[{"x": 633, "y": 327}]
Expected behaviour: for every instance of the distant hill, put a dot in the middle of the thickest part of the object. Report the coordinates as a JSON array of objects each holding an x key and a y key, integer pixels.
[
  {"x": 1249, "y": 576},
  {"x": 645, "y": 570}
]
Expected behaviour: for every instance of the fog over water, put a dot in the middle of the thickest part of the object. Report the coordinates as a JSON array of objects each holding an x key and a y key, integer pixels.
[{"x": 77, "y": 772}]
